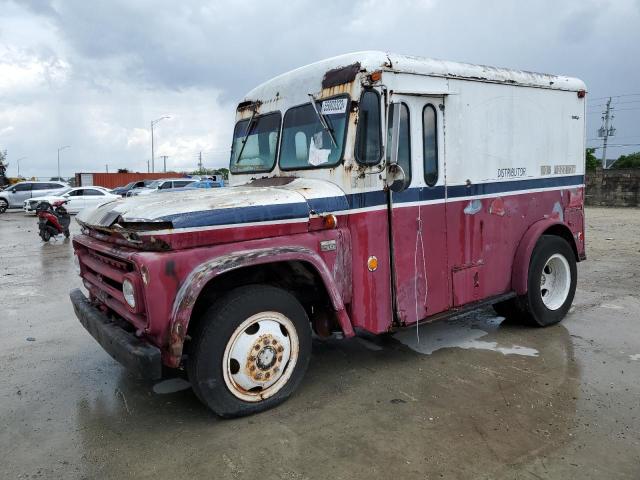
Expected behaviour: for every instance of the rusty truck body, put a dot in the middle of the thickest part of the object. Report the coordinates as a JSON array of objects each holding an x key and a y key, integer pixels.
[{"x": 368, "y": 192}]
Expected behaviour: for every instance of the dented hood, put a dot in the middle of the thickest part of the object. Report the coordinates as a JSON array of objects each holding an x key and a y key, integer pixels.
[{"x": 264, "y": 200}]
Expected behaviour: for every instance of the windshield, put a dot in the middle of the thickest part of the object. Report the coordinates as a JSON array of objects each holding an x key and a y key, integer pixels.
[
  {"x": 306, "y": 143},
  {"x": 259, "y": 152}
]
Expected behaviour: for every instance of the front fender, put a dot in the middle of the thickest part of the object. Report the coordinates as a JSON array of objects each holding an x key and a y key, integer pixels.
[{"x": 205, "y": 272}]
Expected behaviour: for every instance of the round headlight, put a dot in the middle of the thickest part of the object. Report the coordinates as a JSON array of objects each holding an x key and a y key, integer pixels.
[
  {"x": 129, "y": 293},
  {"x": 76, "y": 263}
]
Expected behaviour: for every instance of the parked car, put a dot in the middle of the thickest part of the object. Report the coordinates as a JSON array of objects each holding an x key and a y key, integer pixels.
[
  {"x": 161, "y": 185},
  {"x": 195, "y": 186},
  {"x": 77, "y": 198},
  {"x": 15, "y": 195},
  {"x": 130, "y": 186}
]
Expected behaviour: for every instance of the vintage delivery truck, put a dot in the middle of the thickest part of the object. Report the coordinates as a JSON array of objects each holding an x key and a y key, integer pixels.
[{"x": 369, "y": 192}]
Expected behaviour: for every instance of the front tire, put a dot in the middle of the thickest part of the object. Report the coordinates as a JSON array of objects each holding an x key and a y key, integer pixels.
[
  {"x": 250, "y": 350},
  {"x": 45, "y": 234},
  {"x": 551, "y": 283},
  {"x": 3, "y": 205}
]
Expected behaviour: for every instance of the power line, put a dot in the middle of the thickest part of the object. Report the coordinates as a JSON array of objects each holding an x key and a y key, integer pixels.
[{"x": 618, "y": 96}]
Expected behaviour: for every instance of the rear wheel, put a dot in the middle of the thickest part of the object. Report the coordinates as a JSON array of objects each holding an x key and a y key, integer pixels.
[
  {"x": 249, "y": 351},
  {"x": 551, "y": 282},
  {"x": 3, "y": 205}
]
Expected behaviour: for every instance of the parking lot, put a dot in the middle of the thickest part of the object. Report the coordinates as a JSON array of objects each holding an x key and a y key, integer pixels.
[{"x": 471, "y": 398}]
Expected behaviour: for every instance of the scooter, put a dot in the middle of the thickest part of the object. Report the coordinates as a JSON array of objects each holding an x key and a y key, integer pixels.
[{"x": 53, "y": 219}]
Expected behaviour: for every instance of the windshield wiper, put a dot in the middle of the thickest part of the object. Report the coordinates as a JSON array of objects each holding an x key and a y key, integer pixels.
[
  {"x": 246, "y": 135},
  {"x": 323, "y": 121}
]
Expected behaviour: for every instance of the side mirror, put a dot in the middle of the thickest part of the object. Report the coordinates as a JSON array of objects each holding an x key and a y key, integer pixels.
[
  {"x": 12, "y": 190},
  {"x": 396, "y": 178},
  {"x": 393, "y": 139}
]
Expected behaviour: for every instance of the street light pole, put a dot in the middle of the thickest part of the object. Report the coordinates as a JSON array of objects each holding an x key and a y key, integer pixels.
[
  {"x": 61, "y": 148},
  {"x": 153, "y": 158},
  {"x": 18, "y": 162}
]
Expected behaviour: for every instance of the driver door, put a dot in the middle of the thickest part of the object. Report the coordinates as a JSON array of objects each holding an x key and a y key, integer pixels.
[{"x": 417, "y": 210}]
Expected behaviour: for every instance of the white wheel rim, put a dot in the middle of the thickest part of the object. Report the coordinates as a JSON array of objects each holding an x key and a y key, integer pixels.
[
  {"x": 555, "y": 281},
  {"x": 260, "y": 356}
]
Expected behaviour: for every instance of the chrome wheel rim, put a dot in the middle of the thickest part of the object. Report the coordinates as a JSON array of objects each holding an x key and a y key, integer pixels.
[
  {"x": 260, "y": 356},
  {"x": 555, "y": 281}
]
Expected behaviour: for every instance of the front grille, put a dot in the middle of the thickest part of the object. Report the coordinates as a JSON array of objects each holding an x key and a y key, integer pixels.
[{"x": 103, "y": 275}]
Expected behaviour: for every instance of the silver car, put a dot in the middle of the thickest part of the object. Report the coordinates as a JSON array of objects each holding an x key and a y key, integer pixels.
[{"x": 15, "y": 195}]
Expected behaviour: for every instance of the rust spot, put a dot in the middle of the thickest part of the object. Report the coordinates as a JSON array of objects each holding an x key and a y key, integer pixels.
[
  {"x": 497, "y": 207},
  {"x": 338, "y": 76}
]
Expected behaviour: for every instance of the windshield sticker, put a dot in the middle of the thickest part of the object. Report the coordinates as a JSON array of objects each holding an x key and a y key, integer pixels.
[
  {"x": 334, "y": 106},
  {"x": 317, "y": 154}
]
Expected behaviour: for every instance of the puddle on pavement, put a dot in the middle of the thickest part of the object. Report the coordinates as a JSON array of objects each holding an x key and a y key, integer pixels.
[
  {"x": 171, "y": 385},
  {"x": 460, "y": 333}
]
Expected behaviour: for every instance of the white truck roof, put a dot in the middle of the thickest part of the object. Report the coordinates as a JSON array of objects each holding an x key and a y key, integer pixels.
[{"x": 371, "y": 61}]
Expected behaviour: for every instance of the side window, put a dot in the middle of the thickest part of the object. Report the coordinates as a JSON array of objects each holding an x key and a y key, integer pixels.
[
  {"x": 430, "y": 144},
  {"x": 404, "y": 141},
  {"x": 76, "y": 193},
  {"x": 182, "y": 183},
  {"x": 369, "y": 136},
  {"x": 40, "y": 186},
  {"x": 165, "y": 186},
  {"x": 92, "y": 192},
  {"x": 23, "y": 187}
]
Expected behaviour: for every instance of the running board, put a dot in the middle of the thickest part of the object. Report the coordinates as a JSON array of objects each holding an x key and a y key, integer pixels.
[{"x": 459, "y": 311}]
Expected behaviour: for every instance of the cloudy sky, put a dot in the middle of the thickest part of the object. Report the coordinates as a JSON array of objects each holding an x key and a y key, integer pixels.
[{"x": 93, "y": 74}]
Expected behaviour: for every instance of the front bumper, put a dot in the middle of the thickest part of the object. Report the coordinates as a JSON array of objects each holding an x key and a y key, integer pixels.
[{"x": 130, "y": 351}]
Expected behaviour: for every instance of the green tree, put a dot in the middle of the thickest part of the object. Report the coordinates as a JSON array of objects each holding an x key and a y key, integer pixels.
[
  {"x": 592, "y": 161},
  {"x": 628, "y": 161}
]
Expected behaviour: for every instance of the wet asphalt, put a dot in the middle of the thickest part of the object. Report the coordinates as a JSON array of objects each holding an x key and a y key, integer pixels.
[{"x": 472, "y": 398}]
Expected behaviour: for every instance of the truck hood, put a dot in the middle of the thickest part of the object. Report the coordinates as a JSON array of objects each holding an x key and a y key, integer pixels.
[{"x": 269, "y": 200}]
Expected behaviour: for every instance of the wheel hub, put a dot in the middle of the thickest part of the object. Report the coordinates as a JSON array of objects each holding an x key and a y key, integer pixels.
[{"x": 260, "y": 356}]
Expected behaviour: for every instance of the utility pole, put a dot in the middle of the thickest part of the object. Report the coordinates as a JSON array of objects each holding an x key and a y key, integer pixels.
[
  {"x": 148, "y": 169},
  {"x": 164, "y": 159},
  {"x": 606, "y": 131},
  {"x": 18, "y": 162},
  {"x": 107, "y": 167},
  {"x": 200, "y": 162},
  {"x": 153, "y": 158}
]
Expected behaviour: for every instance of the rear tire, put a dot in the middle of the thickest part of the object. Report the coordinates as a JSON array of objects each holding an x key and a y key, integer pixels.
[
  {"x": 249, "y": 351},
  {"x": 3, "y": 205},
  {"x": 551, "y": 283}
]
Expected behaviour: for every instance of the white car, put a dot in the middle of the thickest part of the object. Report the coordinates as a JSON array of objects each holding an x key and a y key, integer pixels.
[
  {"x": 161, "y": 185},
  {"x": 77, "y": 198}
]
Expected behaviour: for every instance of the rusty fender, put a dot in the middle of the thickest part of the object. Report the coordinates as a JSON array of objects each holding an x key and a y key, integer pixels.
[
  {"x": 520, "y": 271},
  {"x": 201, "y": 275}
]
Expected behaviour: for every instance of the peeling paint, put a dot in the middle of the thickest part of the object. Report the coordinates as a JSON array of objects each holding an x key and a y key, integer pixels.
[{"x": 473, "y": 207}]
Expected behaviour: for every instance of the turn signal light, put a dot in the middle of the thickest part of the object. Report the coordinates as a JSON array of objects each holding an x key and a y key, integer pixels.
[{"x": 330, "y": 221}]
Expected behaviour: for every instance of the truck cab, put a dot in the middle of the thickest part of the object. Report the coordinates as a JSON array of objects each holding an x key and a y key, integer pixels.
[{"x": 368, "y": 193}]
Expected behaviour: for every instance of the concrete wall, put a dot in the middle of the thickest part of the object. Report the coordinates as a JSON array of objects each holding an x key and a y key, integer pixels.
[{"x": 613, "y": 188}]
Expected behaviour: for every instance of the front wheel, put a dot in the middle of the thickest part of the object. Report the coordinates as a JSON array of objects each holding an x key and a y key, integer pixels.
[
  {"x": 45, "y": 235},
  {"x": 551, "y": 282},
  {"x": 249, "y": 351},
  {"x": 3, "y": 205}
]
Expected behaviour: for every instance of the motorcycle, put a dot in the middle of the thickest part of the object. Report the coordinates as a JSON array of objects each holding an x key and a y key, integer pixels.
[{"x": 53, "y": 219}]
